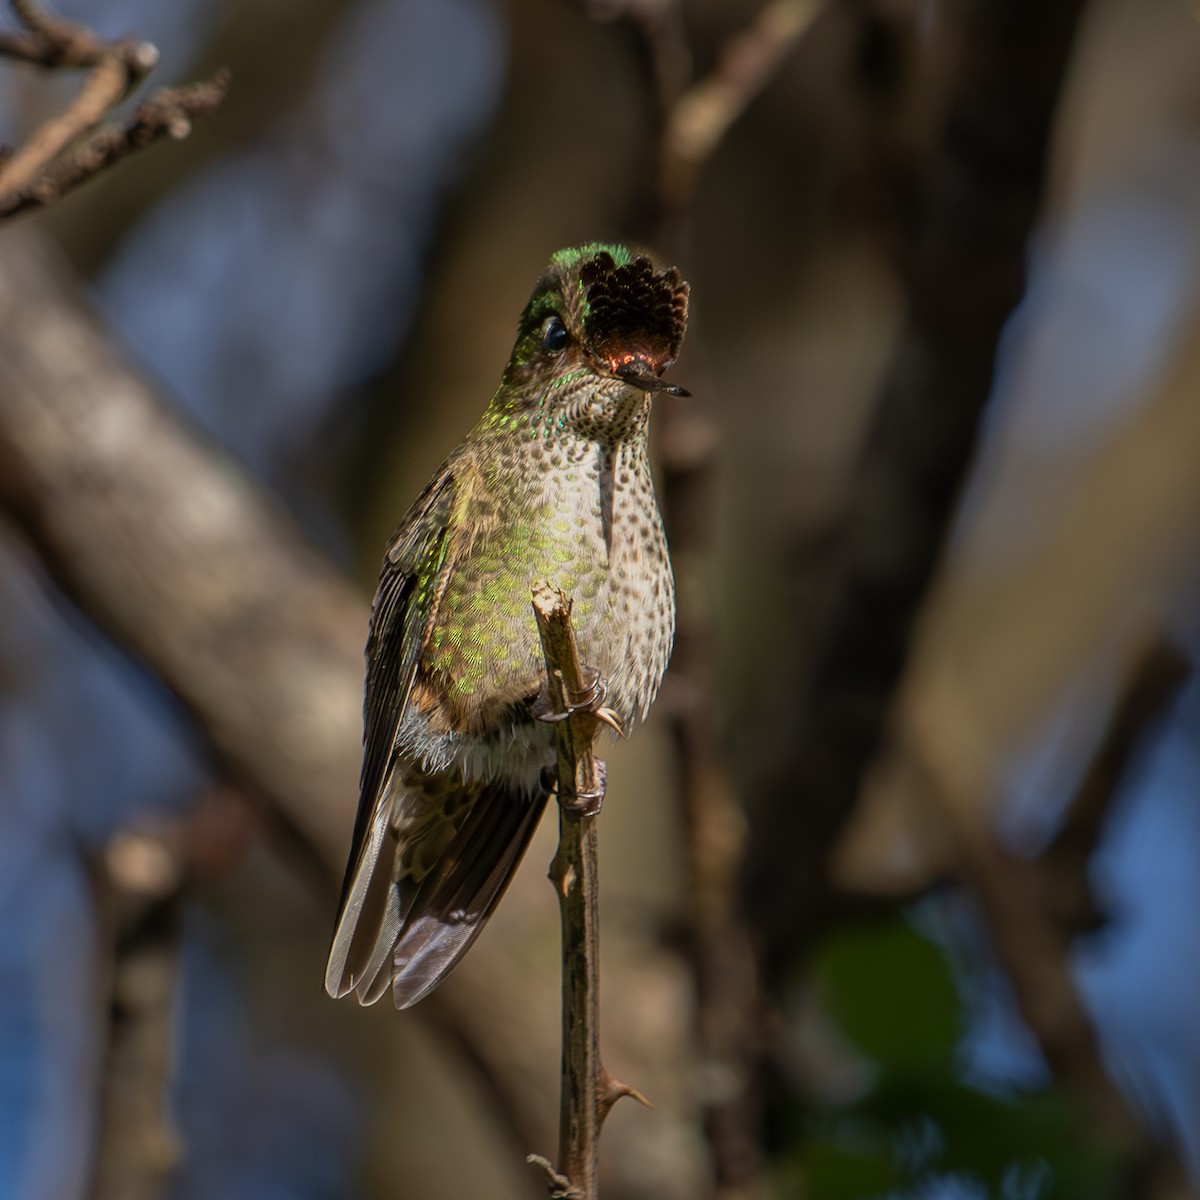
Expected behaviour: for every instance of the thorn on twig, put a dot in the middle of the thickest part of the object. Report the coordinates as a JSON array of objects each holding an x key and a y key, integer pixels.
[
  {"x": 142, "y": 57},
  {"x": 610, "y": 1090}
]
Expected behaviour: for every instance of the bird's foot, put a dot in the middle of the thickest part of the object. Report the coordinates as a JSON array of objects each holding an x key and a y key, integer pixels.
[
  {"x": 589, "y": 802},
  {"x": 586, "y": 802},
  {"x": 590, "y": 698}
]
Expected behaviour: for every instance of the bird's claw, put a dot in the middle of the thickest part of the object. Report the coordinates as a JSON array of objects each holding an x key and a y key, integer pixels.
[
  {"x": 590, "y": 698},
  {"x": 610, "y": 718}
]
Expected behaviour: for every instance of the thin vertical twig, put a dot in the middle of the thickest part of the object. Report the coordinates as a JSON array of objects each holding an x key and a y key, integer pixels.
[{"x": 588, "y": 1092}]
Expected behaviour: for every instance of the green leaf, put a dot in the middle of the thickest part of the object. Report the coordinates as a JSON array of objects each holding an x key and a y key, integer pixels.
[
  {"x": 846, "y": 1163},
  {"x": 891, "y": 993}
]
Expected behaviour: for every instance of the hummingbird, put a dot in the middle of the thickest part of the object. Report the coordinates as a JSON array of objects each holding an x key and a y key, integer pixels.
[{"x": 552, "y": 483}]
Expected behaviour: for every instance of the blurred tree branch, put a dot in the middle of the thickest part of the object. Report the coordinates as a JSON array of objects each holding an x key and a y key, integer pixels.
[
  {"x": 140, "y": 891},
  {"x": 896, "y": 845},
  {"x": 1064, "y": 866},
  {"x": 963, "y": 268},
  {"x": 49, "y": 40},
  {"x": 69, "y": 149},
  {"x": 168, "y": 546},
  {"x": 700, "y": 116},
  {"x": 141, "y": 882},
  {"x": 728, "y": 1006},
  {"x": 1033, "y": 910}
]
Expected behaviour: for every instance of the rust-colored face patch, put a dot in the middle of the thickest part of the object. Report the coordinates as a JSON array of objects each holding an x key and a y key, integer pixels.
[{"x": 632, "y": 358}]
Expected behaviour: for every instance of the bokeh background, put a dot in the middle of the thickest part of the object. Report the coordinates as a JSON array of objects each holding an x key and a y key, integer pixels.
[{"x": 980, "y": 975}]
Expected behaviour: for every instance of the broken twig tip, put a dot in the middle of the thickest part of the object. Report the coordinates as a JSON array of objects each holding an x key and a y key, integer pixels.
[
  {"x": 561, "y": 1188},
  {"x": 144, "y": 57}
]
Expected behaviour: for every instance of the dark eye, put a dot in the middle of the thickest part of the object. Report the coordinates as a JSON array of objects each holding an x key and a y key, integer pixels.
[{"x": 554, "y": 335}]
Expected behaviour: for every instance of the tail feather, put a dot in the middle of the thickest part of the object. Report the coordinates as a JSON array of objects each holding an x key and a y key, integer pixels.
[
  {"x": 456, "y": 899},
  {"x": 391, "y": 933},
  {"x": 369, "y": 909},
  {"x": 376, "y": 973}
]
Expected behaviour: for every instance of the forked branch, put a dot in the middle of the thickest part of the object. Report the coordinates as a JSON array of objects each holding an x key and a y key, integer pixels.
[{"x": 72, "y": 146}]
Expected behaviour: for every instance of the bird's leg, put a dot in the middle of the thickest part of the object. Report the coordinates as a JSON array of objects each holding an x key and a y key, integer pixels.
[
  {"x": 590, "y": 802},
  {"x": 590, "y": 698},
  {"x": 587, "y": 803}
]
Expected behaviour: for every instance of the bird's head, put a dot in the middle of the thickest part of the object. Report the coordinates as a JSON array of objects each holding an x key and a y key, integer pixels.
[{"x": 599, "y": 331}]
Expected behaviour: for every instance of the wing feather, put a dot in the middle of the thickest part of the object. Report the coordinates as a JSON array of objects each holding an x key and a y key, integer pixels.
[{"x": 414, "y": 571}]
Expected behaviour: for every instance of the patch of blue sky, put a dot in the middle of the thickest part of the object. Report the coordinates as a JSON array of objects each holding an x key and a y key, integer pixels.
[
  {"x": 263, "y": 290},
  {"x": 261, "y": 1122},
  {"x": 1141, "y": 976}
]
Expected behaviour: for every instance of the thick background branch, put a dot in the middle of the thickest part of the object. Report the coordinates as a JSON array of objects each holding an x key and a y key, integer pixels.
[{"x": 170, "y": 547}]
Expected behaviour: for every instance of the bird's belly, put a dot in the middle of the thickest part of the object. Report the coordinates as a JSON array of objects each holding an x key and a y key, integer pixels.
[
  {"x": 628, "y": 635},
  {"x": 483, "y": 662}
]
